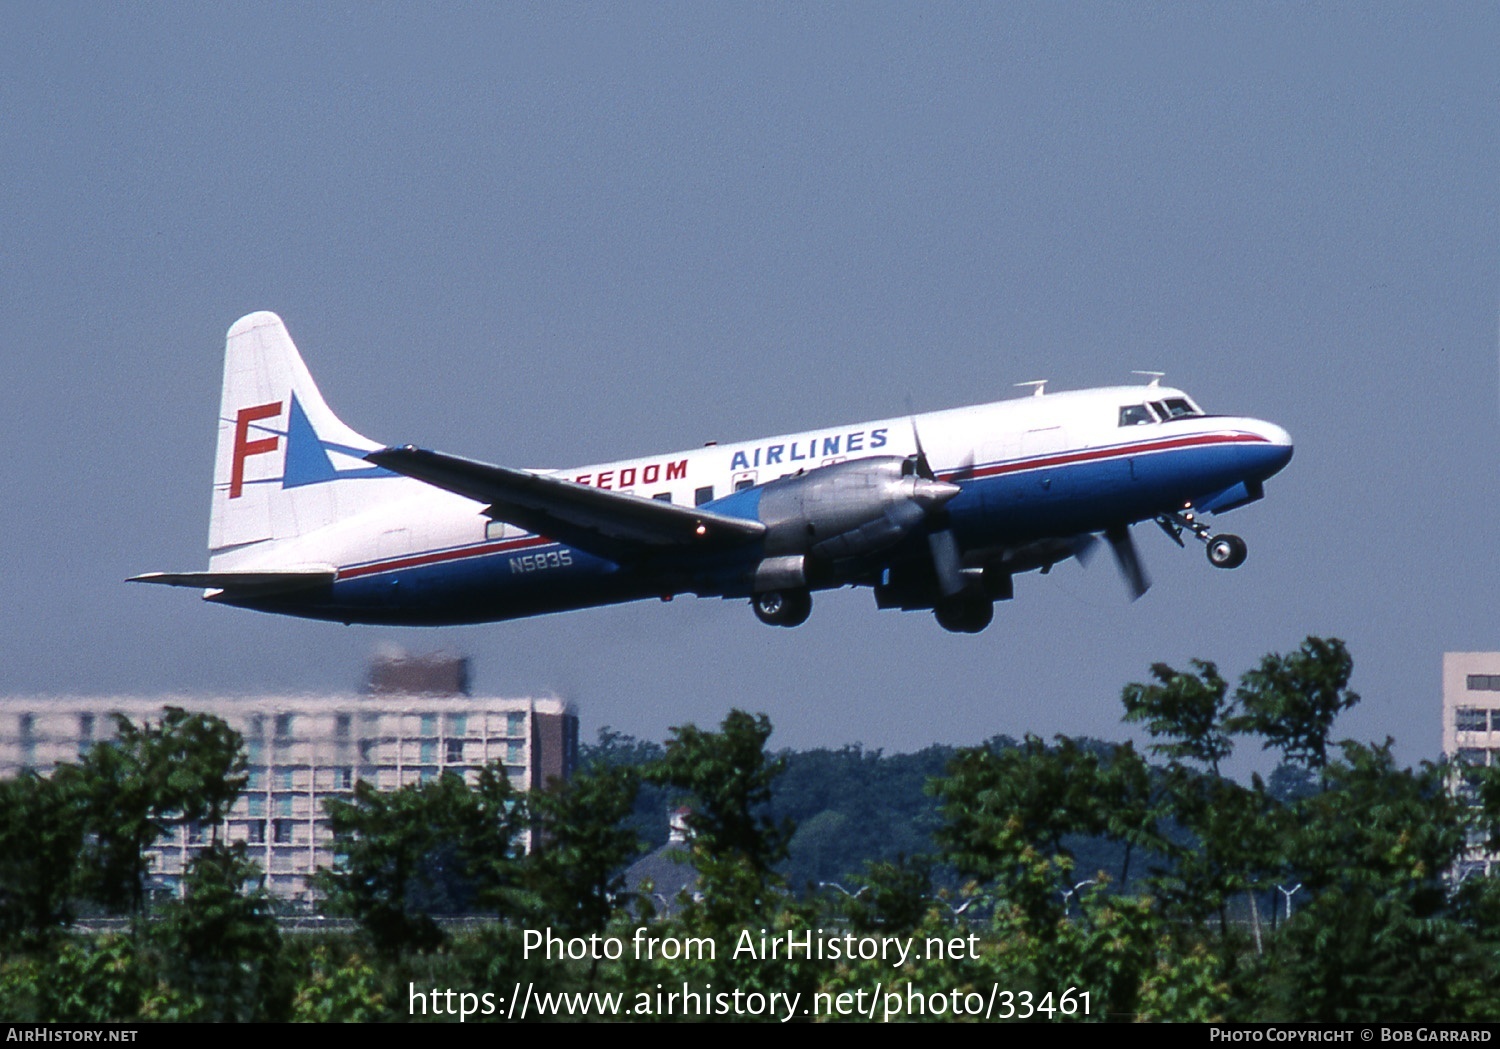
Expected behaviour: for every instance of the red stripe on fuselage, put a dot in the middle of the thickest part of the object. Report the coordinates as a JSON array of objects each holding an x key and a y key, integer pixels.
[
  {"x": 1112, "y": 452},
  {"x": 1017, "y": 466},
  {"x": 439, "y": 556}
]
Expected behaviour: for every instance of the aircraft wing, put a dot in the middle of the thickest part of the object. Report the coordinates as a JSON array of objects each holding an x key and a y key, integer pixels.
[
  {"x": 610, "y": 524},
  {"x": 246, "y": 583}
]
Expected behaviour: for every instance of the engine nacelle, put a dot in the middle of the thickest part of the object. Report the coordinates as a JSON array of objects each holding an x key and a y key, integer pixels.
[{"x": 847, "y": 510}]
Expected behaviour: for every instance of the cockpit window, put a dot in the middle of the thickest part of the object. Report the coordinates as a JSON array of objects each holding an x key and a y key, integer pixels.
[
  {"x": 1176, "y": 408},
  {"x": 1136, "y": 415}
]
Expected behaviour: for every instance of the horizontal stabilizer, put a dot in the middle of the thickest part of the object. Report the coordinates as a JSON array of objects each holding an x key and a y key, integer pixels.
[
  {"x": 247, "y": 583},
  {"x": 615, "y": 525}
]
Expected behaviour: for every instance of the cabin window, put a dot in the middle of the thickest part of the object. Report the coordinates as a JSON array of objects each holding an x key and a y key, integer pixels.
[
  {"x": 663, "y": 497},
  {"x": 1136, "y": 415},
  {"x": 703, "y": 495},
  {"x": 1175, "y": 408}
]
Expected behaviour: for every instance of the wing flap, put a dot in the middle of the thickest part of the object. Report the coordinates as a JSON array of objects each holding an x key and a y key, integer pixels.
[{"x": 615, "y": 525}]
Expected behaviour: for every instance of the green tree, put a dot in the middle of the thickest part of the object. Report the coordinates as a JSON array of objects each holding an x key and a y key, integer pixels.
[
  {"x": 1291, "y": 701},
  {"x": 41, "y": 837},
  {"x": 1192, "y": 712},
  {"x": 582, "y": 842},
  {"x": 188, "y": 765},
  {"x": 1381, "y": 935},
  {"x": 735, "y": 844},
  {"x": 218, "y": 945},
  {"x": 428, "y": 848}
]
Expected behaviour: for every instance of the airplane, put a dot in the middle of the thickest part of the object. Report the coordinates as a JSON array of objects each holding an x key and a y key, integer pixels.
[{"x": 935, "y": 511}]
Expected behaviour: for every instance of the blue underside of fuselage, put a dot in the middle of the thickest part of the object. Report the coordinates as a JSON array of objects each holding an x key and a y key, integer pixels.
[{"x": 996, "y": 510}]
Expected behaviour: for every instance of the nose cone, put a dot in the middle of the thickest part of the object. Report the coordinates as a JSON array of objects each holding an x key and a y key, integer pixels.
[
  {"x": 931, "y": 494},
  {"x": 1280, "y": 441}
]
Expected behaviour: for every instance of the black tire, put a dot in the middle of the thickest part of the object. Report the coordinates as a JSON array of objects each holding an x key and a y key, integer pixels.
[
  {"x": 782, "y": 607},
  {"x": 1226, "y": 551},
  {"x": 965, "y": 614}
]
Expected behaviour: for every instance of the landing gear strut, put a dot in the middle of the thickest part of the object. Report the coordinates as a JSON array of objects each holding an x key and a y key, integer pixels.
[
  {"x": 782, "y": 607},
  {"x": 1224, "y": 551}
]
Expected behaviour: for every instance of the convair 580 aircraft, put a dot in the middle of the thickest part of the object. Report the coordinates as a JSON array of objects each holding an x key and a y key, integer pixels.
[{"x": 938, "y": 511}]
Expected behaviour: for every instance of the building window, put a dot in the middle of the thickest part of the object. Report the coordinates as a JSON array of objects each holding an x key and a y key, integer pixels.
[
  {"x": 284, "y": 725},
  {"x": 85, "y": 733},
  {"x": 1473, "y": 755},
  {"x": 284, "y": 805},
  {"x": 284, "y": 779},
  {"x": 1484, "y": 682},
  {"x": 455, "y": 754},
  {"x": 341, "y": 724},
  {"x": 256, "y": 804},
  {"x": 1472, "y": 719},
  {"x": 458, "y": 725},
  {"x": 429, "y": 724},
  {"x": 282, "y": 830},
  {"x": 515, "y": 723},
  {"x": 345, "y": 778},
  {"x": 254, "y": 750},
  {"x": 194, "y": 833},
  {"x": 429, "y": 752},
  {"x": 514, "y": 752},
  {"x": 255, "y": 832}
]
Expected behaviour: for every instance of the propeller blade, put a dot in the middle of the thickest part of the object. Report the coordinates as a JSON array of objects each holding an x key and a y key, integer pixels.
[
  {"x": 1085, "y": 547},
  {"x": 924, "y": 468},
  {"x": 1128, "y": 560},
  {"x": 947, "y": 562}
]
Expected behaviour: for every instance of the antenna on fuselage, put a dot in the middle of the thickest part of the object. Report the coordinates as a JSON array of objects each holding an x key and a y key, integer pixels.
[
  {"x": 1039, "y": 384},
  {"x": 1156, "y": 378}
]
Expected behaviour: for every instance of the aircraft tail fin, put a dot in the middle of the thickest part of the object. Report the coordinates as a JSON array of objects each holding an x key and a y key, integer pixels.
[{"x": 285, "y": 465}]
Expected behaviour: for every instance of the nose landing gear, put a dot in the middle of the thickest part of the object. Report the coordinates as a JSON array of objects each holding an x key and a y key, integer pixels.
[{"x": 1224, "y": 551}]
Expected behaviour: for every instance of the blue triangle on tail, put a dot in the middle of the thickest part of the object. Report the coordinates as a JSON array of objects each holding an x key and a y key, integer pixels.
[{"x": 307, "y": 460}]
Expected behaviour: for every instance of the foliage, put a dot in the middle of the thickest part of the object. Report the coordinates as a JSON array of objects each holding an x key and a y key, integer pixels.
[
  {"x": 429, "y": 848},
  {"x": 854, "y": 806},
  {"x": 1190, "y": 711},
  {"x": 41, "y": 837},
  {"x": 189, "y": 765},
  {"x": 735, "y": 844},
  {"x": 1292, "y": 700},
  {"x": 583, "y": 842},
  {"x": 219, "y": 944},
  {"x": 84, "y": 980},
  {"x": 895, "y": 899},
  {"x": 1383, "y": 929},
  {"x": 346, "y": 990}
]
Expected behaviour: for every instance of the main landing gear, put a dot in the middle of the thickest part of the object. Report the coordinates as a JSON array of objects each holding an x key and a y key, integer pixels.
[
  {"x": 965, "y": 613},
  {"x": 782, "y": 607},
  {"x": 1224, "y": 551}
]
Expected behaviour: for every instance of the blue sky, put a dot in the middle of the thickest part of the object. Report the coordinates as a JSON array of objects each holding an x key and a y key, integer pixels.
[{"x": 547, "y": 235}]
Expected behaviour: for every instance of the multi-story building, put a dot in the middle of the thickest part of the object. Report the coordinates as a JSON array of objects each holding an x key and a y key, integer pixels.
[
  {"x": 1471, "y": 726},
  {"x": 303, "y": 750}
]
